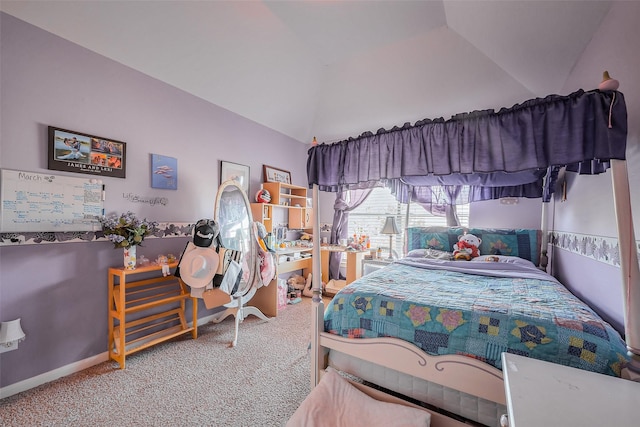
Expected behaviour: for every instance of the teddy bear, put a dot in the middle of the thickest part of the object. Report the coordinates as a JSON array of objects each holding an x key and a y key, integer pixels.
[
  {"x": 467, "y": 247},
  {"x": 297, "y": 282}
]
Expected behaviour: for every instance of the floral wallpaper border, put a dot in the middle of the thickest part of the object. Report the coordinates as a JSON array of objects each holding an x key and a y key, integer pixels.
[
  {"x": 603, "y": 249},
  {"x": 165, "y": 230}
]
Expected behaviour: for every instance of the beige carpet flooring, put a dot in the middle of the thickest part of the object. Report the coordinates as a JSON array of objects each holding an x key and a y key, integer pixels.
[{"x": 185, "y": 382}]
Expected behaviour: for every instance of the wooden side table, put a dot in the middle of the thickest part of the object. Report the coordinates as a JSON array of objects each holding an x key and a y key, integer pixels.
[
  {"x": 133, "y": 323},
  {"x": 354, "y": 262},
  {"x": 547, "y": 394},
  {"x": 369, "y": 265}
]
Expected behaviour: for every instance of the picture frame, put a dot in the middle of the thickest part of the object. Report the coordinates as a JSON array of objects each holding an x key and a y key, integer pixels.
[
  {"x": 237, "y": 172},
  {"x": 271, "y": 174},
  {"x": 73, "y": 151},
  {"x": 164, "y": 172}
]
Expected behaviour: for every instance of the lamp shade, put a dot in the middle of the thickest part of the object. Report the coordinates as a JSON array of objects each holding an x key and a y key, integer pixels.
[
  {"x": 11, "y": 332},
  {"x": 390, "y": 226}
]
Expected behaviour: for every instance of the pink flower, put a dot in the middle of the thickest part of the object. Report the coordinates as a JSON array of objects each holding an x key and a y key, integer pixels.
[
  {"x": 418, "y": 315},
  {"x": 450, "y": 319}
]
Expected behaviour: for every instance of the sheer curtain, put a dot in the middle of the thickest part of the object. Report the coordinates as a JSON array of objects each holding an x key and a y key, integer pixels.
[{"x": 346, "y": 201}]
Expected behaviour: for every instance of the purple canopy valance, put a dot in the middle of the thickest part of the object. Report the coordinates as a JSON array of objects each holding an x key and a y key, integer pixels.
[{"x": 508, "y": 152}]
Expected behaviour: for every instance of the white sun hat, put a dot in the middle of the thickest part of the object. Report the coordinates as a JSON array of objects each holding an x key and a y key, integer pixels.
[{"x": 198, "y": 265}]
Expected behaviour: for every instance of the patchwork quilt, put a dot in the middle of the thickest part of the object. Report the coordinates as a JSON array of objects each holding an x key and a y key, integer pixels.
[{"x": 477, "y": 314}]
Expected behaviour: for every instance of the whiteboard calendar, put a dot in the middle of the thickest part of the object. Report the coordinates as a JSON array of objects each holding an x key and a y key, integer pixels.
[{"x": 44, "y": 202}]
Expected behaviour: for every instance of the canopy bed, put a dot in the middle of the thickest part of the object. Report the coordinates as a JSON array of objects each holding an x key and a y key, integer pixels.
[{"x": 515, "y": 152}]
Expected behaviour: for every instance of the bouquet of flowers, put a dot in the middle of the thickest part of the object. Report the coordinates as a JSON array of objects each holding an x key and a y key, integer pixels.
[{"x": 126, "y": 230}]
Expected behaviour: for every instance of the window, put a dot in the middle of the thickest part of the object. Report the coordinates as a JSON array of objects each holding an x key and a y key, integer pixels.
[{"x": 369, "y": 218}]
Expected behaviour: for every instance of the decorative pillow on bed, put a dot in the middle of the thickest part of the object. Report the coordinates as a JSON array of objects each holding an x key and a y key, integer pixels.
[
  {"x": 504, "y": 258},
  {"x": 335, "y": 402},
  {"x": 430, "y": 254},
  {"x": 523, "y": 243}
]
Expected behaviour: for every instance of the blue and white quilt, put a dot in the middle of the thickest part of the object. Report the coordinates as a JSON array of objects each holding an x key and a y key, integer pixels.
[{"x": 477, "y": 309}]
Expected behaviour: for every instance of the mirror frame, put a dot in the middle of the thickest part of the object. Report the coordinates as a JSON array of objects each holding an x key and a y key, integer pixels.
[{"x": 250, "y": 255}]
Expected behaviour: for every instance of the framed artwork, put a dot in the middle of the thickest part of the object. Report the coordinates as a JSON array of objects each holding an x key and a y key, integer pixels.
[
  {"x": 271, "y": 174},
  {"x": 235, "y": 171},
  {"x": 73, "y": 151},
  {"x": 164, "y": 172}
]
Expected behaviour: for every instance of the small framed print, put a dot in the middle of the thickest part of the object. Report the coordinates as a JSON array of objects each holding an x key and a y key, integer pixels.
[
  {"x": 236, "y": 172},
  {"x": 271, "y": 174},
  {"x": 164, "y": 172},
  {"x": 73, "y": 151}
]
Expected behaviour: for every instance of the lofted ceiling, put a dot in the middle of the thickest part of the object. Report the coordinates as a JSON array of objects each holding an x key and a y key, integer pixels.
[{"x": 334, "y": 69}]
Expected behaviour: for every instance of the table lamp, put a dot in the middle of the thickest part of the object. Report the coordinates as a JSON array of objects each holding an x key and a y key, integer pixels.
[{"x": 390, "y": 228}]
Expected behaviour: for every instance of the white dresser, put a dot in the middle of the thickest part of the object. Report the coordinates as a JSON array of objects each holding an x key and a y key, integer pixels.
[{"x": 547, "y": 394}]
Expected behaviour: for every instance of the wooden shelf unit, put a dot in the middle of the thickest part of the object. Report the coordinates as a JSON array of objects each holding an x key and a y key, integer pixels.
[
  {"x": 284, "y": 196},
  {"x": 136, "y": 318}
]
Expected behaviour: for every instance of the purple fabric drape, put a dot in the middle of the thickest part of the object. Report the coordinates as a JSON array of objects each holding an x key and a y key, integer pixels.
[
  {"x": 437, "y": 200},
  {"x": 582, "y": 131},
  {"x": 342, "y": 207}
]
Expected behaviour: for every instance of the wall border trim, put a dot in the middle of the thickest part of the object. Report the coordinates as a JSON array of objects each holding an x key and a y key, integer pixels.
[
  {"x": 165, "y": 230},
  {"x": 599, "y": 248}
]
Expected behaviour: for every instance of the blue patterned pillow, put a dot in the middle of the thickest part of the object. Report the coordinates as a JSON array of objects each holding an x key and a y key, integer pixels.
[{"x": 523, "y": 243}]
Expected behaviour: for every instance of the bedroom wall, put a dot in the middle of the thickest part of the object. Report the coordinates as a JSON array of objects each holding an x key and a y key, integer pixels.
[
  {"x": 59, "y": 290},
  {"x": 526, "y": 213},
  {"x": 585, "y": 222}
]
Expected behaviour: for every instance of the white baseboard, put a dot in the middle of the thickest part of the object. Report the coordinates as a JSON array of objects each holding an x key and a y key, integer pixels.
[
  {"x": 63, "y": 371},
  {"x": 71, "y": 368}
]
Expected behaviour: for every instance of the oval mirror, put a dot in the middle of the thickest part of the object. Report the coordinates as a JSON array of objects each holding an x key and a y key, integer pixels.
[{"x": 233, "y": 215}]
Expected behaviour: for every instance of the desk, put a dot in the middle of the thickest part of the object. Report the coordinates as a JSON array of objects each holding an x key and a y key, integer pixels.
[
  {"x": 547, "y": 394},
  {"x": 266, "y": 297},
  {"x": 354, "y": 262}
]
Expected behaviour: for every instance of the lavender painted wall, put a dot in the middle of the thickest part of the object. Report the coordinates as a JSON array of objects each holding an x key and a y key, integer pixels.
[
  {"x": 589, "y": 206},
  {"x": 60, "y": 290},
  {"x": 578, "y": 273},
  {"x": 526, "y": 213}
]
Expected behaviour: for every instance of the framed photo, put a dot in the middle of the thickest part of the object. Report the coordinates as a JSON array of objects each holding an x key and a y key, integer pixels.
[
  {"x": 271, "y": 174},
  {"x": 235, "y": 171},
  {"x": 73, "y": 151},
  {"x": 164, "y": 172}
]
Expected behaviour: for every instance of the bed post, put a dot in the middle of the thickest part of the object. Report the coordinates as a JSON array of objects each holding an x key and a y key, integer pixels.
[
  {"x": 544, "y": 244},
  {"x": 317, "y": 305},
  {"x": 628, "y": 266}
]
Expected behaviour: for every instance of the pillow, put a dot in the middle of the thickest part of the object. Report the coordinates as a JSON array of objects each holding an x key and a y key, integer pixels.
[
  {"x": 430, "y": 254},
  {"x": 335, "y": 402},
  {"x": 504, "y": 258},
  {"x": 523, "y": 243}
]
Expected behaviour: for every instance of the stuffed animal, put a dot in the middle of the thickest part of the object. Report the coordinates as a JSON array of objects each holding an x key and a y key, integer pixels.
[
  {"x": 297, "y": 282},
  {"x": 467, "y": 247}
]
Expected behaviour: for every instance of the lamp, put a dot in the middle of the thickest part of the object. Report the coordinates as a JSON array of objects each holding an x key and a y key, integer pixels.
[
  {"x": 10, "y": 334},
  {"x": 390, "y": 228}
]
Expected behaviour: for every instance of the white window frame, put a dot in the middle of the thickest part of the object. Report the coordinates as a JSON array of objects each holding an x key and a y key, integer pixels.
[{"x": 369, "y": 218}]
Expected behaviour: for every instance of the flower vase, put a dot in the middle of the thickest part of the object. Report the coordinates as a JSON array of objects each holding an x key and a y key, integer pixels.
[{"x": 130, "y": 258}]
